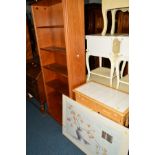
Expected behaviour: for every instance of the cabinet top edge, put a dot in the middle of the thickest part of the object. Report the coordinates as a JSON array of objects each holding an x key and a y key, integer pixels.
[{"x": 46, "y": 2}]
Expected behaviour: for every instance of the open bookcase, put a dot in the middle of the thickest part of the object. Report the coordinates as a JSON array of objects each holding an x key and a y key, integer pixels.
[{"x": 59, "y": 29}]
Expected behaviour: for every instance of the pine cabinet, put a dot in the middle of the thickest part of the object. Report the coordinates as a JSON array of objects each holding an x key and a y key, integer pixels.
[{"x": 59, "y": 29}]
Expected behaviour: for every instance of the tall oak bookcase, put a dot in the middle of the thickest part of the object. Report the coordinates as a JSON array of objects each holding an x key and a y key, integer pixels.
[{"x": 59, "y": 29}]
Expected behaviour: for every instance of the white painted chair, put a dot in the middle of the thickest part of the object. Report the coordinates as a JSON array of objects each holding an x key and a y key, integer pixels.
[{"x": 114, "y": 6}]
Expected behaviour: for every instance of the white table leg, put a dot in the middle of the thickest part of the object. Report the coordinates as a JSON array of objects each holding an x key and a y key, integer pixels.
[
  {"x": 122, "y": 69},
  {"x": 111, "y": 72},
  {"x": 113, "y": 13},
  {"x": 87, "y": 65},
  {"x": 117, "y": 75},
  {"x": 105, "y": 21}
]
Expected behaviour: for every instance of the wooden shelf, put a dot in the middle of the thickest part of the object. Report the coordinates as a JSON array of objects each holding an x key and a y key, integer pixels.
[
  {"x": 51, "y": 26},
  {"x": 60, "y": 69},
  {"x": 59, "y": 86},
  {"x": 54, "y": 49}
]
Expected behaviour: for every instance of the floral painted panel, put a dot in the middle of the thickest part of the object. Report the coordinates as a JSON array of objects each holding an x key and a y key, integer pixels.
[{"x": 91, "y": 132}]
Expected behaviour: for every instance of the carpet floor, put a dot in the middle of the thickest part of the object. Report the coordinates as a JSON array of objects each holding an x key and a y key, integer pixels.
[{"x": 44, "y": 134}]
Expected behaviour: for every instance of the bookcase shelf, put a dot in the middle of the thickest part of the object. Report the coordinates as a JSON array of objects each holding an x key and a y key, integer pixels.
[
  {"x": 51, "y": 26},
  {"x": 60, "y": 69},
  {"x": 54, "y": 49},
  {"x": 59, "y": 86}
]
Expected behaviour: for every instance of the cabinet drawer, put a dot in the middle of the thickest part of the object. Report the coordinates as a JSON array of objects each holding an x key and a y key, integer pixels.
[
  {"x": 101, "y": 109},
  {"x": 109, "y": 113},
  {"x": 109, "y": 102},
  {"x": 85, "y": 101}
]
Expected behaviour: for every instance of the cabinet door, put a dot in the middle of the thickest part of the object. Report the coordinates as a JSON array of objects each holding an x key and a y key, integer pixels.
[{"x": 91, "y": 132}]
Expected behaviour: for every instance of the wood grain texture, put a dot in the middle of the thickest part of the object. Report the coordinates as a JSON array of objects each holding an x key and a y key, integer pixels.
[
  {"x": 107, "y": 101},
  {"x": 122, "y": 22},
  {"x": 75, "y": 43},
  {"x": 101, "y": 108},
  {"x": 59, "y": 28}
]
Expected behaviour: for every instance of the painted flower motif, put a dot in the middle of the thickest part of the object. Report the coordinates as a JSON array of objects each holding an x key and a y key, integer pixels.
[
  {"x": 88, "y": 125},
  {"x": 78, "y": 115},
  {"x": 72, "y": 112},
  {"x": 104, "y": 151},
  {"x": 68, "y": 119},
  {"x": 91, "y": 136},
  {"x": 70, "y": 107}
]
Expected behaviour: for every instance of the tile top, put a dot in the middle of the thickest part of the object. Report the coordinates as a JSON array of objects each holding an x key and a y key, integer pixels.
[{"x": 106, "y": 95}]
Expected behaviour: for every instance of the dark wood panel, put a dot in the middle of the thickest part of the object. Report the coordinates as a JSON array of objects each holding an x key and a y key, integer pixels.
[
  {"x": 33, "y": 69},
  {"x": 29, "y": 55},
  {"x": 122, "y": 22},
  {"x": 34, "y": 83},
  {"x": 93, "y": 18}
]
